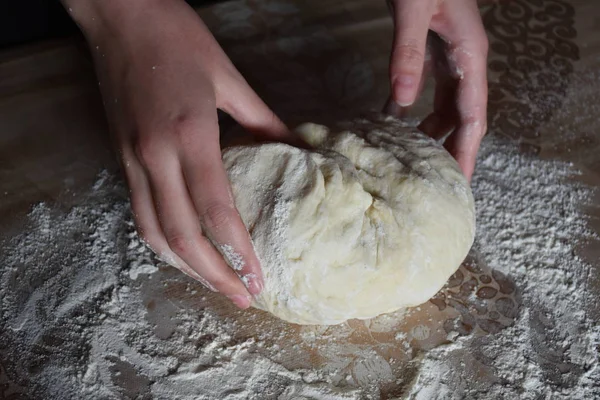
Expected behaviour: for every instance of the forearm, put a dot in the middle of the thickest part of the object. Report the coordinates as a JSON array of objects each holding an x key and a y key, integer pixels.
[{"x": 97, "y": 17}]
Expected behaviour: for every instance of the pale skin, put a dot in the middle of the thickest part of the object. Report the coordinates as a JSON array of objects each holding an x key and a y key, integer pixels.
[{"x": 163, "y": 76}]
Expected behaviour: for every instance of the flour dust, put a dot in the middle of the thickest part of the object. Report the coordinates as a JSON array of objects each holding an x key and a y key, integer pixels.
[{"x": 82, "y": 315}]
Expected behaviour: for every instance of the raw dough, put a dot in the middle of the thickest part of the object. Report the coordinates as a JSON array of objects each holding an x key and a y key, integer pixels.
[{"x": 375, "y": 220}]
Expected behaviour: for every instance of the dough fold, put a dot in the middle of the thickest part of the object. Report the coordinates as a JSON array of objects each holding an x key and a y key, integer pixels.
[{"x": 375, "y": 219}]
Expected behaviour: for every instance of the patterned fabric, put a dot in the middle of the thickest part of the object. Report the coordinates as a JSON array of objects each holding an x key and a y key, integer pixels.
[{"x": 531, "y": 61}]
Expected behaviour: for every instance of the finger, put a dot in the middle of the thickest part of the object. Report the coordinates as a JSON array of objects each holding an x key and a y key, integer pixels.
[
  {"x": 439, "y": 123},
  {"x": 467, "y": 55},
  {"x": 180, "y": 225},
  {"x": 239, "y": 100},
  {"x": 146, "y": 220},
  {"x": 443, "y": 119},
  {"x": 463, "y": 147},
  {"x": 411, "y": 20},
  {"x": 211, "y": 194},
  {"x": 471, "y": 106},
  {"x": 392, "y": 108}
]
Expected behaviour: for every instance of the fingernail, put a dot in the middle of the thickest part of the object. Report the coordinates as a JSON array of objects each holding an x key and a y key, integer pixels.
[
  {"x": 240, "y": 300},
  {"x": 252, "y": 283},
  {"x": 404, "y": 88},
  {"x": 256, "y": 286}
]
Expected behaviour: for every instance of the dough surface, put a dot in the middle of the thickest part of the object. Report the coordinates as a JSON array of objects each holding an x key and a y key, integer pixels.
[{"x": 375, "y": 219}]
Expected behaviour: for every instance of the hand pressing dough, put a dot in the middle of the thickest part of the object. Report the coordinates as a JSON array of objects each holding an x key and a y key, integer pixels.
[{"x": 375, "y": 219}]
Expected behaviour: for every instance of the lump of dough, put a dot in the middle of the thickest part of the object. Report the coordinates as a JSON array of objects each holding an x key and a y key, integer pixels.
[{"x": 375, "y": 219}]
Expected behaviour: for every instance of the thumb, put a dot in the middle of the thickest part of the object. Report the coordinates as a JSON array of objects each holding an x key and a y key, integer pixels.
[{"x": 240, "y": 101}]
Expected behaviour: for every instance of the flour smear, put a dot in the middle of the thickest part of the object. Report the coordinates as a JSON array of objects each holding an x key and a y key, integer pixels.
[{"x": 81, "y": 316}]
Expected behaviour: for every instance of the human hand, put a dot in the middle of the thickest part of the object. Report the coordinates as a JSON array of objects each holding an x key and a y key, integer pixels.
[
  {"x": 162, "y": 77},
  {"x": 458, "y": 50}
]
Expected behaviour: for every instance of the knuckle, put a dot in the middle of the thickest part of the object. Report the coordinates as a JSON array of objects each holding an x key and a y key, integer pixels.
[
  {"x": 184, "y": 127},
  {"x": 469, "y": 120},
  {"x": 408, "y": 54},
  {"x": 217, "y": 215},
  {"x": 474, "y": 125},
  {"x": 180, "y": 244},
  {"x": 147, "y": 150}
]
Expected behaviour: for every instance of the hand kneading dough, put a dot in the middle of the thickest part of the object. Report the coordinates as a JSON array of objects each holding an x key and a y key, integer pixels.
[{"x": 375, "y": 220}]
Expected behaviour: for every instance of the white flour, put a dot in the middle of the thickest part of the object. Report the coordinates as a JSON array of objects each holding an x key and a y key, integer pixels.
[
  {"x": 234, "y": 259},
  {"x": 530, "y": 226},
  {"x": 83, "y": 314}
]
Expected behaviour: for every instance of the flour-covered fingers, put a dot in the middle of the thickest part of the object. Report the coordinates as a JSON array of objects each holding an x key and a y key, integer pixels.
[
  {"x": 180, "y": 223},
  {"x": 471, "y": 106},
  {"x": 210, "y": 192},
  {"x": 467, "y": 46},
  {"x": 146, "y": 220}
]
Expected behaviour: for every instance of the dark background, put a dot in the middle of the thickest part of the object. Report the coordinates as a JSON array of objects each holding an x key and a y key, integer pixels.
[{"x": 25, "y": 21}]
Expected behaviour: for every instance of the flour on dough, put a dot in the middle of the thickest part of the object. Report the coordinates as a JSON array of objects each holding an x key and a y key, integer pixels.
[{"x": 375, "y": 219}]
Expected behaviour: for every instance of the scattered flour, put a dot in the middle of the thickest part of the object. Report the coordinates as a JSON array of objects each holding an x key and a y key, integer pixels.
[
  {"x": 529, "y": 227},
  {"x": 137, "y": 270},
  {"x": 83, "y": 314}
]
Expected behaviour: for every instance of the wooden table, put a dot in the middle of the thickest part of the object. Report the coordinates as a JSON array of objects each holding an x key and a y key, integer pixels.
[{"x": 310, "y": 60}]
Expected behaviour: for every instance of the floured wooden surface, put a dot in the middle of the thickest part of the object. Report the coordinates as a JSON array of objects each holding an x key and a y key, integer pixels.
[{"x": 312, "y": 62}]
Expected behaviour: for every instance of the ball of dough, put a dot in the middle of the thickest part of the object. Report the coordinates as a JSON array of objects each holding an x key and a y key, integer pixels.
[{"x": 375, "y": 219}]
